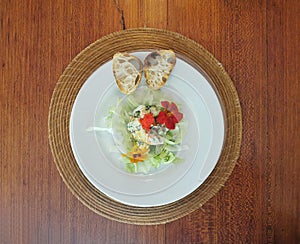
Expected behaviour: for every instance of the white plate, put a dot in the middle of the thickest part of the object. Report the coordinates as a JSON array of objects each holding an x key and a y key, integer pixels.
[{"x": 99, "y": 161}]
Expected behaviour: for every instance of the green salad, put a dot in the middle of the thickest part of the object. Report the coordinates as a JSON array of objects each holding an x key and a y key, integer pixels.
[{"x": 149, "y": 133}]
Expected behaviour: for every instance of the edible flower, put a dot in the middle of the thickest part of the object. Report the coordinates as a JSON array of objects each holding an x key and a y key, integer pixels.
[
  {"x": 137, "y": 154},
  {"x": 147, "y": 121},
  {"x": 170, "y": 116}
]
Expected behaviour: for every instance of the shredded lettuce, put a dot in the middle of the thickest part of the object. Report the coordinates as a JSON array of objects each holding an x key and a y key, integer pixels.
[
  {"x": 150, "y": 164},
  {"x": 158, "y": 156}
]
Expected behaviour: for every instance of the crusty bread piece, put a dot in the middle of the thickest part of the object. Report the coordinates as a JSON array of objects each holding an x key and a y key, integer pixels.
[
  {"x": 128, "y": 71},
  {"x": 157, "y": 68}
]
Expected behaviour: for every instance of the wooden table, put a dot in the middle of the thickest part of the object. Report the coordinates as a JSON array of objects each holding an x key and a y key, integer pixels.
[{"x": 258, "y": 44}]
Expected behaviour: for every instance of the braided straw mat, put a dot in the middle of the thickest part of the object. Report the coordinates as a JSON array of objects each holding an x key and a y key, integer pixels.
[{"x": 74, "y": 76}]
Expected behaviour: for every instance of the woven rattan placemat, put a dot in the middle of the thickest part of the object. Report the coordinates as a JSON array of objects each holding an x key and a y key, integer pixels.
[{"x": 68, "y": 86}]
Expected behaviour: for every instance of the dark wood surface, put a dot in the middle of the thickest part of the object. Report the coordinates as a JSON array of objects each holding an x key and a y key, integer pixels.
[{"x": 258, "y": 44}]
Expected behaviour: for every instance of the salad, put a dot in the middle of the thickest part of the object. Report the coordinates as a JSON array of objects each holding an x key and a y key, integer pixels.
[{"x": 148, "y": 134}]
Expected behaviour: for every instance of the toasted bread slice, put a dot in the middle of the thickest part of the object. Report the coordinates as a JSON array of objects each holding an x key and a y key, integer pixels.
[
  {"x": 128, "y": 71},
  {"x": 158, "y": 66}
]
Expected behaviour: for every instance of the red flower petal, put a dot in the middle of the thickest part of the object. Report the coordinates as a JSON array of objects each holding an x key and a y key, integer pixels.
[
  {"x": 147, "y": 121},
  {"x": 173, "y": 118},
  {"x": 162, "y": 117},
  {"x": 178, "y": 116},
  {"x": 172, "y": 107},
  {"x": 165, "y": 104},
  {"x": 170, "y": 124}
]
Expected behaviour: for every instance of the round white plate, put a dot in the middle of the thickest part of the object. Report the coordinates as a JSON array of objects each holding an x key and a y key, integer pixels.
[{"x": 99, "y": 159}]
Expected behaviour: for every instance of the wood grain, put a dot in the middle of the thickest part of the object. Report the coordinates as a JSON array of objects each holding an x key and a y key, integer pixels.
[{"x": 256, "y": 41}]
